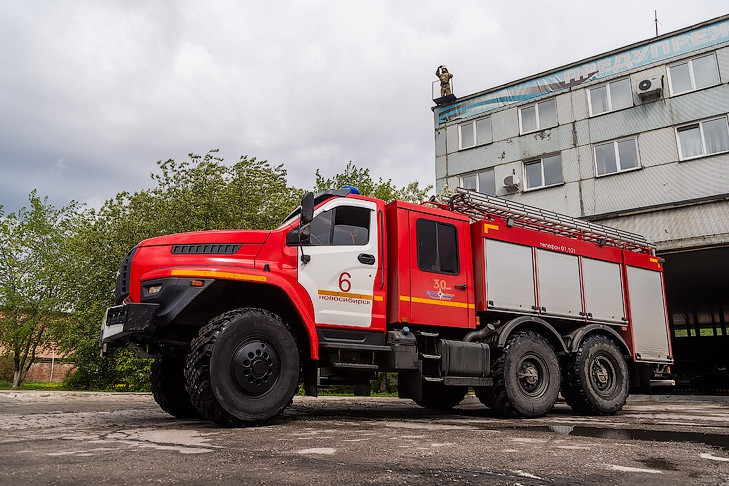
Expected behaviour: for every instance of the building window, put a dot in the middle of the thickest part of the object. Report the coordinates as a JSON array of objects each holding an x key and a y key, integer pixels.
[
  {"x": 693, "y": 74},
  {"x": 475, "y": 133},
  {"x": 543, "y": 172},
  {"x": 538, "y": 116},
  {"x": 437, "y": 247},
  {"x": 482, "y": 182},
  {"x": 616, "y": 156},
  {"x": 704, "y": 138},
  {"x": 611, "y": 97}
]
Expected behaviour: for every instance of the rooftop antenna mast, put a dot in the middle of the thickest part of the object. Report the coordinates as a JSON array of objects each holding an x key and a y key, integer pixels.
[{"x": 655, "y": 18}]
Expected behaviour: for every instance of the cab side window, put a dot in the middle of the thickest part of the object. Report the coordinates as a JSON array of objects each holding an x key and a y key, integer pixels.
[
  {"x": 341, "y": 226},
  {"x": 351, "y": 226},
  {"x": 437, "y": 247}
]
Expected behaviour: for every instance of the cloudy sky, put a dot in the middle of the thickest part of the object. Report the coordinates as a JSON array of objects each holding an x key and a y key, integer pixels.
[{"x": 93, "y": 93}]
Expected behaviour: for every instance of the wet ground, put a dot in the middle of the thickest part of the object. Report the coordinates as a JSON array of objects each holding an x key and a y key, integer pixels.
[{"x": 80, "y": 438}]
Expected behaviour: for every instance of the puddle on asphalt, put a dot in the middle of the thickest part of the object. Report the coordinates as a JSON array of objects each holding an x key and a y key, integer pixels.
[{"x": 714, "y": 440}]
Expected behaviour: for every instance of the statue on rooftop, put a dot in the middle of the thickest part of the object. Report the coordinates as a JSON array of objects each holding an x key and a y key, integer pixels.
[{"x": 445, "y": 80}]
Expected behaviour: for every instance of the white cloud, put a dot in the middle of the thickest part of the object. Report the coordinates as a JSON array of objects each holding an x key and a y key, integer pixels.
[{"x": 99, "y": 91}]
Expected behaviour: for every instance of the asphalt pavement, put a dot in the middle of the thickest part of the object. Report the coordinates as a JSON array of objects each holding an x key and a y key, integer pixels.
[{"x": 122, "y": 438}]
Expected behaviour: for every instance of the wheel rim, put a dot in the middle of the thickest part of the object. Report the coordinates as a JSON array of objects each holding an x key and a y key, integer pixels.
[
  {"x": 532, "y": 376},
  {"x": 255, "y": 367},
  {"x": 602, "y": 375}
]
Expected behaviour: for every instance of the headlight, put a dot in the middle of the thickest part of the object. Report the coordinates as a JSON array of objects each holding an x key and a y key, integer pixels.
[{"x": 154, "y": 289}]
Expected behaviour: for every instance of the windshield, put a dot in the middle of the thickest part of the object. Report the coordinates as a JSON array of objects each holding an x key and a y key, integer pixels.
[{"x": 290, "y": 217}]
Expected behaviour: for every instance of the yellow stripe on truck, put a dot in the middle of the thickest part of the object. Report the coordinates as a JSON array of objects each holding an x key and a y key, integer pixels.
[
  {"x": 214, "y": 274},
  {"x": 446, "y": 303}
]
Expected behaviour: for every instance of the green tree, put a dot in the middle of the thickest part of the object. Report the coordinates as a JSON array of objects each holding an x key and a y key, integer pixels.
[
  {"x": 381, "y": 189},
  {"x": 34, "y": 266}
]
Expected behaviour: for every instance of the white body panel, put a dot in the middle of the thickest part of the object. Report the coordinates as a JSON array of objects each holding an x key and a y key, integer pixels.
[
  {"x": 603, "y": 291},
  {"x": 340, "y": 286},
  {"x": 649, "y": 315},
  {"x": 509, "y": 276},
  {"x": 559, "y": 284}
]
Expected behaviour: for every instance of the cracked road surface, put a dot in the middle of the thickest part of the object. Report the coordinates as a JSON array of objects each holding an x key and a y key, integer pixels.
[{"x": 81, "y": 438}]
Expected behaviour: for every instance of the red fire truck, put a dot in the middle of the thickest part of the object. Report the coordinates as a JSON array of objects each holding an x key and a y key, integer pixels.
[{"x": 512, "y": 301}]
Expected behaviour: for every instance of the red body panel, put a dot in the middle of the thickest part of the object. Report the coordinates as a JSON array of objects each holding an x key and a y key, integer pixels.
[
  {"x": 424, "y": 297},
  {"x": 216, "y": 236},
  {"x": 398, "y": 271}
]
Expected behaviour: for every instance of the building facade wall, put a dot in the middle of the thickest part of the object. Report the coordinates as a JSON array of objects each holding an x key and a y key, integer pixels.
[
  {"x": 659, "y": 196},
  {"x": 47, "y": 370}
]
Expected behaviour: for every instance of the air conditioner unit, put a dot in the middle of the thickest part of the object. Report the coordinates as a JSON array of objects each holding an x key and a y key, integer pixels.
[
  {"x": 512, "y": 182},
  {"x": 650, "y": 87}
]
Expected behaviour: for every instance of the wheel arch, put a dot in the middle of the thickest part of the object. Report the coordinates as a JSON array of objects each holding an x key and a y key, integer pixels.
[
  {"x": 535, "y": 324},
  {"x": 276, "y": 295},
  {"x": 578, "y": 336}
]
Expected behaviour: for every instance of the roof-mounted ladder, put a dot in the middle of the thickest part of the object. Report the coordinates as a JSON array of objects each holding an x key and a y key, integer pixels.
[{"x": 479, "y": 206}]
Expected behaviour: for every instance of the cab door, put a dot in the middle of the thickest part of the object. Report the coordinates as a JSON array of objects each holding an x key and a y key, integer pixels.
[
  {"x": 341, "y": 261},
  {"x": 441, "y": 288}
]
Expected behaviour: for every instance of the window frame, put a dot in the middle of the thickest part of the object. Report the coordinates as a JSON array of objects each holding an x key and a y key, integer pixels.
[
  {"x": 292, "y": 237},
  {"x": 473, "y": 124},
  {"x": 700, "y": 124},
  {"x": 609, "y": 96},
  {"x": 478, "y": 180},
  {"x": 536, "y": 114},
  {"x": 617, "y": 155},
  {"x": 540, "y": 161},
  {"x": 692, "y": 76},
  {"x": 419, "y": 255}
]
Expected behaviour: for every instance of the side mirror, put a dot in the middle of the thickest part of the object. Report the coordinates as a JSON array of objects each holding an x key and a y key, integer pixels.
[
  {"x": 307, "y": 208},
  {"x": 307, "y": 215}
]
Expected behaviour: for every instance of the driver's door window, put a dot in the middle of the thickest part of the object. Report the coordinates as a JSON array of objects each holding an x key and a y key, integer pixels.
[{"x": 341, "y": 226}]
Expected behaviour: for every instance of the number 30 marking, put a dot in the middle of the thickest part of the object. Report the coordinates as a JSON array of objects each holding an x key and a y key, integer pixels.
[{"x": 344, "y": 284}]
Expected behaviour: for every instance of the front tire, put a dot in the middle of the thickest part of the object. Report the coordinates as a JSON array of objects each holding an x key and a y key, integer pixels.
[
  {"x": 597, "y": 382},
  {"x": 526, "y": 378},
  {"x": 243, "y": 368},
  {"x": 168, "y": 387}
]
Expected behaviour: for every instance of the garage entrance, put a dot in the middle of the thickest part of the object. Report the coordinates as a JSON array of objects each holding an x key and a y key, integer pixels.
[{"x": 697, "y": 293}]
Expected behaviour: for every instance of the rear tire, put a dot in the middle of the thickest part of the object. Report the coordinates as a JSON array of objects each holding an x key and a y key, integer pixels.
[
  {"x": 168, "y": 387},
  {"x": 243, "y": 368},
  {"x": 437, "y": 396},
  {"x": 597, "y": 381},
  {"x": 526, "y": 378}
]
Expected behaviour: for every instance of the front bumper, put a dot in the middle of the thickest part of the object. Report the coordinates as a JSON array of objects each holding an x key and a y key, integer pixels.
[{"x": 121, "y": 321}]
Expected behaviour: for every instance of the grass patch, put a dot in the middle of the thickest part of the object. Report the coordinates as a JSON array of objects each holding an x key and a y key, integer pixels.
[
  {"x": 35, "y": 385},
  {"x": 344, "y": 391},
  {"x": 348, "y": 391}
]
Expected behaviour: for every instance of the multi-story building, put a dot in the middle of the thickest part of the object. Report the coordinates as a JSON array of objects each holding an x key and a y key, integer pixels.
[{"x": 636, "y": 138}]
